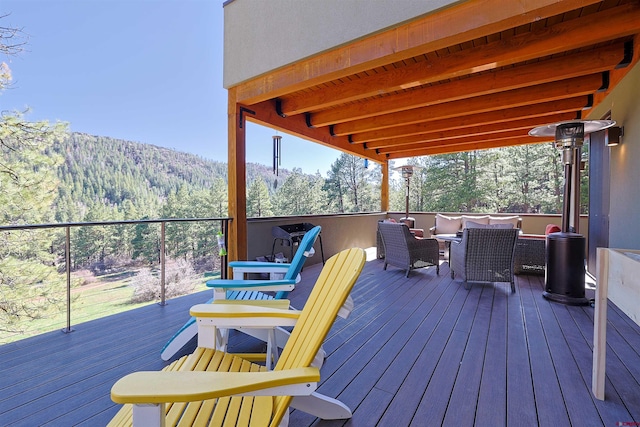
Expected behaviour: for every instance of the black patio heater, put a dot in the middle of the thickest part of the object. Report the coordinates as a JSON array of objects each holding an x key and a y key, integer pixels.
[
  {"x": 407, "y": 173},
  {"x": 566, "y": 250}
]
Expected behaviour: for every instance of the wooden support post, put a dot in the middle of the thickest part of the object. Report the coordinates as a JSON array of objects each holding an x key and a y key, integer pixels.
[
  {"x": 384, "y": 187},
  {"x": 237, "y": 249}
]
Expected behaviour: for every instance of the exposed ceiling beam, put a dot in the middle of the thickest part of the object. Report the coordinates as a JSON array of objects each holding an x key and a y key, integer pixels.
[
  {"x": 447, "y": 27},
  {"x": 471, "y": 146},
  {"x": 265, "y": 115},
  {"x": 497, "y": 136},
  {"x": 499, "y": 116},
  {"x": 514, "y": 98},
  {"x": 560, "y": 68},
  {"x": 585, "y": 31},
  {"x": 484, "y": 130}
]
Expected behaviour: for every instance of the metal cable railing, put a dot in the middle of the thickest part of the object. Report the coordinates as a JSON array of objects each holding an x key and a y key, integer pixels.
[{"x": 55, "y": 240}]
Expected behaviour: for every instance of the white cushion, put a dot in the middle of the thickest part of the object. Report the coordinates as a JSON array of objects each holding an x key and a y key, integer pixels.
[
  {"x": 477, "y": 219},
  {"x": 447, "y": 224},
  {"x": 471, "y": 224},
  {"x": 513, "y": 220}
]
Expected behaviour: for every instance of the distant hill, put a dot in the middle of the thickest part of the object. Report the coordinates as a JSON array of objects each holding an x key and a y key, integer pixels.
[{"x": 114, "y": 171}]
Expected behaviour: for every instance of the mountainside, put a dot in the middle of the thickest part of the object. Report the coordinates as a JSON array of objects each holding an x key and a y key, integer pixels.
[{"x": 115, "y": 172}]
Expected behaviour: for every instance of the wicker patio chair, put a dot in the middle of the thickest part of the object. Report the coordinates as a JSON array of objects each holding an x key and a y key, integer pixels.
[
  {"x": 484, "y": 255},
  {"x": 403, "y": 250}
]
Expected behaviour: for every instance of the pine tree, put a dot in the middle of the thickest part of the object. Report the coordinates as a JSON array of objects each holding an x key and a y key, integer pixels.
[{"x": 258, "y": 200}]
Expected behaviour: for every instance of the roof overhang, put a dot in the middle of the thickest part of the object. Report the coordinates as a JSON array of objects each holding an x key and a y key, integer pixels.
[{"x": 476, "y": 75}]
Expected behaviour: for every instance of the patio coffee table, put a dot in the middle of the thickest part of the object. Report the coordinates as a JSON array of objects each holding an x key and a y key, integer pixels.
[{"x": 447, "y": 245}]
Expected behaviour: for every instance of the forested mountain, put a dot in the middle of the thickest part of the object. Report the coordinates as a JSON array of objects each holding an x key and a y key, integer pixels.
[{"x": 123, "y": 175}]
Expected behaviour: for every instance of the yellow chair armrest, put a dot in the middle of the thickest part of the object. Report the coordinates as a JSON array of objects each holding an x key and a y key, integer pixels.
[
  {"x": 164, "y": 387},
  {"x": 282, "y": 304},
  {"x": 222, "y": 310}
]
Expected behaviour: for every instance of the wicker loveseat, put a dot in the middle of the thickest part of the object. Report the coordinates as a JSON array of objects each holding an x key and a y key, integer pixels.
[
  {"x": 484, "y": 255},
  {"x": 449, "y": 225},
  {"x": 403, "y": 250}
]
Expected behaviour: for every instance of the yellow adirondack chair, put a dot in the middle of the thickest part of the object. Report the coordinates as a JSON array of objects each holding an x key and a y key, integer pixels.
[{"x": 210, "y": 387}]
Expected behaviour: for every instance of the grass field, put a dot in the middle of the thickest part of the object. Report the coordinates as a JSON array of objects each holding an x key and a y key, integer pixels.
[{"x": 109, "y": 294}]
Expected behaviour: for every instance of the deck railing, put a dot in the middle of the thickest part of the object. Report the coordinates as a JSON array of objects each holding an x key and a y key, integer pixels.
[
  {"x": 65, "y": 256},
  {"x": 339, "y": 231}
]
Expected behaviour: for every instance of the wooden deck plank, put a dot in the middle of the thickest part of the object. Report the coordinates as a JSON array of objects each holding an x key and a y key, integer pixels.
[
  {"x": 436, "y": 400},
  {"x": 492, "y": 400},
  {"x": 408, "y": 396},
  {"x": 464, "y": 397},
  {"x": 577, "y": 397},
  {"x": 582, "y": 350},
  {"x": 417, "y": 350},
  {"x": 521, "y": 408},
  {"x": 548, "y": 397},
  {"x": 622, "y": 392}
]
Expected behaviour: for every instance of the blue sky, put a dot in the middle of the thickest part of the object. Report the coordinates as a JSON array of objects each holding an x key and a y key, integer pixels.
[{"x": 141, "y": 70}]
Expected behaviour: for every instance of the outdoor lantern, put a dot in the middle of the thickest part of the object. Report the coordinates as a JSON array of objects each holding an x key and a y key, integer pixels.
[
  {"x": 614, "y": 136},
  {"x": 407, "y": 173},
  {"x": 566, "y": 250}
]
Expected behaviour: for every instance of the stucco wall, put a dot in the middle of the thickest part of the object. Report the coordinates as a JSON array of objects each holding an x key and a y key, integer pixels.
[
  {"x": 261, "y": 35},
  {"x": 624, "y": 103}
]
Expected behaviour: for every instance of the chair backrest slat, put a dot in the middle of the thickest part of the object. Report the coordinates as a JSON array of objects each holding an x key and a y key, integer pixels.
[
  {"x": 302, "y": 253},
  {"x": 327, "y": 296}
]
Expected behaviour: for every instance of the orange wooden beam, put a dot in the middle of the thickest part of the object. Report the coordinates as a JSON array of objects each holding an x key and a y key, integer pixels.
[
  {"x": 474, "y": 131},
  {"x": 514, "y": 98},
  {"x": 461, "y": 23},
  {"x": 457, "y": 148},
  {"x": 265, "y": 114},
  {"x": 499, "y": 116},
  {"x": 237, "y": 180},
  {"x": 572, "y": 34},
  {"x": 560, "y": 68}
]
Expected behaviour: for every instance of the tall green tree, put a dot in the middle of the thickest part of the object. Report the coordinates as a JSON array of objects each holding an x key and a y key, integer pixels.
[
  {"x": 29, "y": 282},
  {"x": 349, "y": 185},
  {"x": 300, "y": 195},
  {"x": 258, "y": 200}
]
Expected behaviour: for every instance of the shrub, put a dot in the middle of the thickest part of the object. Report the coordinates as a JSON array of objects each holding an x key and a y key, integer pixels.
[
  {"x": 180, "y": 279},
  {"x": 84, "y": 277}
]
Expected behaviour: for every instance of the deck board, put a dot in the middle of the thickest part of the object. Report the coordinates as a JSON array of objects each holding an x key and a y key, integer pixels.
[{"x": 415, "y": 351}]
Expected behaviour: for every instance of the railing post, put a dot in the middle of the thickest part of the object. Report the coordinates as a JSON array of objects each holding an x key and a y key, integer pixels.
[
  {"x": 224, "y": 260},
  {"x": 162, "y": 265},
  {"x": 67, "y": 260}
]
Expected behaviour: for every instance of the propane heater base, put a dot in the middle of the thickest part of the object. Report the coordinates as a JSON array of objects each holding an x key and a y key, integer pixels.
[{"x": 564, "y": 299}]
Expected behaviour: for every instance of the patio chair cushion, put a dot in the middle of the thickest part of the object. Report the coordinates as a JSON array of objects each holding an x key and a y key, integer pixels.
[
  {"x": 484, "y": 219},
  {"x": 551, "y": 228},
  {"x": 506, "y": 225},
  {"x": 513, "y": 220},
  {"x": 447, "y": 224}
]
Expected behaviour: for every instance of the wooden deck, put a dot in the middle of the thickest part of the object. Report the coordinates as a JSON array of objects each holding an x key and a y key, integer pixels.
[{"x": 417, "y": 351}]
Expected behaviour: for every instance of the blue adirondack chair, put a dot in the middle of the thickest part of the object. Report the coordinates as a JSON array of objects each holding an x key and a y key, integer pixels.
[{"x": 249, "y": 290}]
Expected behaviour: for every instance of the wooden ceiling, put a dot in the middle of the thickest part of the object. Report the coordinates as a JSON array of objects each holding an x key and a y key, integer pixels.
[{"x": 443, "y": 84}]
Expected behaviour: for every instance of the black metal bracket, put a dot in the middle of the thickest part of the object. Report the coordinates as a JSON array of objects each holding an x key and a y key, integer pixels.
[
  {"x": 628, "y": 55},
  {"x": 331, "y": 130},
  {"x": 241, "y": 116},
  {"x": 606, "y": 80},
  {"x": 350, "y": 139},
  {"x": 279, "y": 108},
  {"x": 307, "y": 118},
  {"x": 589, "y": 102},
  {"x": 365, "y": 146}
]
